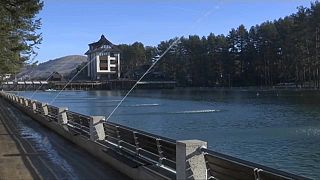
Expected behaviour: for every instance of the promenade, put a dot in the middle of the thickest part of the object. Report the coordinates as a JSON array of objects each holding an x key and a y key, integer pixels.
[
  {"x": 31, "y": 151},
  {"x": 12, "y": 164}
]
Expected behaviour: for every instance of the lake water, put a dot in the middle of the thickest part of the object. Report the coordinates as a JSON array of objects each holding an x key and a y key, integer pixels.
[{"x": 276, "y": 128}]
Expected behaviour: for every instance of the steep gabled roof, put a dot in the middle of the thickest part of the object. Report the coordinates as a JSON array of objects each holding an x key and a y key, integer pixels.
[{"x": 95, "y": 47}]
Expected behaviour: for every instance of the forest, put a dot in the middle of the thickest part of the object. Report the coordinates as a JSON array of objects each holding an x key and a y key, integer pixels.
[{"x": 283, "y": 51}]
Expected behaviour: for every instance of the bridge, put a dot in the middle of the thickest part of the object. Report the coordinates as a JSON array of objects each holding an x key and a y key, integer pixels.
[
  {"x": 24, "y": 85},
  {"x": 138, "y": 154},
  {"x": 83, "y": 85}
]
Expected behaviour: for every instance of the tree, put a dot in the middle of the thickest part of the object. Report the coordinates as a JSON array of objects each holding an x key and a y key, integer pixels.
[
  {"x": 19, "y": 35},
  {"x": 273, "y": 52}
]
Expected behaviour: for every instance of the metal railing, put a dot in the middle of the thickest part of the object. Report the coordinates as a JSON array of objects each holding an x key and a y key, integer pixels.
[
  {"x": 221, "y": 166},
  {"x": 155, "y": 149},
  {"x": 79, "y": 123},
  {"x": 53, "y": 113}
]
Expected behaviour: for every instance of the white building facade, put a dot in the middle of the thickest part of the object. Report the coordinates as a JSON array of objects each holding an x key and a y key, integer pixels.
[{"x": 104, "y": 58}]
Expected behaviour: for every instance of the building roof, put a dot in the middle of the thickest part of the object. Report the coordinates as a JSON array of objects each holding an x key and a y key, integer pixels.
[{"x": 98, "y": 46}]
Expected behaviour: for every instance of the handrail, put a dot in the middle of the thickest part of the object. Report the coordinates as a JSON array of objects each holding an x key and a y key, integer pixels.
[
  {"x": 157, "y": 149},
  {"x": 79, "y": 122},
  {"x": 257, "y": 169},
  {"x": 146, "y": 133}
]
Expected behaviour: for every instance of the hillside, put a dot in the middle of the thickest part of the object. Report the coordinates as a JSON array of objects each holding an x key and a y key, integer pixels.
[{"x": 64, "y": 66}]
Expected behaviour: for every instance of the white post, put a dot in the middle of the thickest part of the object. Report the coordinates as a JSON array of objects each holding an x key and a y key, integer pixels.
[
  {"x": 34, "y": 106},
  {"x": 62, "y": 116},
  {"x": 190, "y": 160},
  {"x": 26, "y": 102},
  {"x": 96, "y": 128},
  {"x": 21, "y": 101},
  {"x": 45, "y": 109}
]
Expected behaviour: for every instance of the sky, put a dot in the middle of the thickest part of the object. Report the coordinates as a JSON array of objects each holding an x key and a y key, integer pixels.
[{"x": 68, "y": 26}]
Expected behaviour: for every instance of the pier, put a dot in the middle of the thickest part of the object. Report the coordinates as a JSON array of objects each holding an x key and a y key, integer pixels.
[{"x": 138, "y": 154}]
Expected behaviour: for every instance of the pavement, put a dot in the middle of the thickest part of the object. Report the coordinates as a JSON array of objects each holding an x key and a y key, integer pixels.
[{"x": 29, "y": 150}]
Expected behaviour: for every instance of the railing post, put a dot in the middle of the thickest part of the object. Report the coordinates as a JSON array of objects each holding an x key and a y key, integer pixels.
[
  {"x": 136, "y": 142},
  {"x": 62, "y": 116},
  {"x": 21, "y": 101},
  {"x": 190, "y": 160},
  {"x": 96, "y": 128},
  {"x": 45, "y": 109},
  {"x": 26, "y": 102},
  {"x": 34, "y": 106},
  {"x": 159, "y": 151}
]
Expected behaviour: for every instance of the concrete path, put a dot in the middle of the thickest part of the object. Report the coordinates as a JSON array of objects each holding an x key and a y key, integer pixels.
[{"x": 31, "y": 151}]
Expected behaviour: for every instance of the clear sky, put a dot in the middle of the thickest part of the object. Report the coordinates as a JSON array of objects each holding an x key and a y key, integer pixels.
[{"x": 68, "y": 26}]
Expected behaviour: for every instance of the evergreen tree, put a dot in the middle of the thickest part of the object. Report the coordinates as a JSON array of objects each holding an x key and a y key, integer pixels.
[{"x": 19, "y": 35}]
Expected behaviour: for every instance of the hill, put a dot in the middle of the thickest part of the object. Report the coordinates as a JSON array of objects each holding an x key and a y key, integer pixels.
[{"x": 64, "y": 66}]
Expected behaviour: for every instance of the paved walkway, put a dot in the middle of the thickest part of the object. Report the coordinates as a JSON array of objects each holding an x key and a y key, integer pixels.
[
  {"x": 31, "y": 151},
  {"x": 11, "y": 166}
]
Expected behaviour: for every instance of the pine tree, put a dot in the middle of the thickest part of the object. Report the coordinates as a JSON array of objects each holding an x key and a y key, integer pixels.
[{"x": 19, "y": 34}]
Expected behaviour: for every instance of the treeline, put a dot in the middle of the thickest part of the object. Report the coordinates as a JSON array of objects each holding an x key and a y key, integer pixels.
[
  {"x": 18, "y": 33},
  {"x": 283, "y": 51}
]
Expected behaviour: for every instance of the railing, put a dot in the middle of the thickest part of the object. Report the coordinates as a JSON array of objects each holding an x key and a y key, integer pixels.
[
  {"x": 53, "y": 113},
  {"x": 222, "y": 166},
  {"x": 30, "y": 107},
  {"x": 156, "y": 150},
  {"x": 39, "y": 109},
  {"x": 79, "y": 123}
]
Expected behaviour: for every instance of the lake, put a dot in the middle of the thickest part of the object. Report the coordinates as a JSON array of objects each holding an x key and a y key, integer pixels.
[{"x": 276, "y": 128}]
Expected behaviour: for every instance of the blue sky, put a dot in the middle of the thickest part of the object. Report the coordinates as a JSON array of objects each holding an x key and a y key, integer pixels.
[{"x": 68, "y": 26}]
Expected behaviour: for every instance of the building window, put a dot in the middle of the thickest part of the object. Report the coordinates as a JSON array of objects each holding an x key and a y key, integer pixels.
[
  {"x": 103, "y": 68},
  {"x": 103, "y": 61},
  {"x": 106, "y": 47}
]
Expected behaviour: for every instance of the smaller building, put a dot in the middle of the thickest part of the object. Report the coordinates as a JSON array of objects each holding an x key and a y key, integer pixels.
[
  {"x": 5, "y": 77},
  {"x": 55, "y": 76},
  {"x": 104, "y": 58}
]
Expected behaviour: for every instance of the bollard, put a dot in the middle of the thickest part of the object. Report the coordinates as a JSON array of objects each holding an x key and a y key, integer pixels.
[
  {"x": 96, "y": 128},
  {"x": 190, "y": 160},
  {"x": 45, "y": 109},
  {"x": 62, "y": 116}
]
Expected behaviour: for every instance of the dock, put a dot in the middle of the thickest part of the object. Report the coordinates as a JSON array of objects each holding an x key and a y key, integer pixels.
[{"x": 134, "y": 153}]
